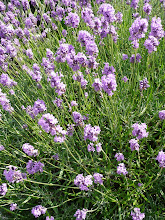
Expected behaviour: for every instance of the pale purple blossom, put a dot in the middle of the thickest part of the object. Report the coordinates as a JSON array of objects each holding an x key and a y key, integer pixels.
[
  {"x": 143, "y": 84},
  {"x": 34, "y": 167},
  {"x": 98, "y": 178},
  {"x": 3, "y": 189},
  {"x": 38, "y": 210},
  {"x": 91, "y": 133},
  {"x": 161, "y": 159},
  {"x": 137, "y": 215},
  {"x": 139, "y": 130},
  {"x": 80, "y": 214},
  {"x": 121, "y": 169},
  {"x": 13, "y": 206},
  {"x": 162, "y": 115},
  {"x": 119, "y": 156},
  {"x": 29, "y": 150},
  {"x": 134, "y": 144}
]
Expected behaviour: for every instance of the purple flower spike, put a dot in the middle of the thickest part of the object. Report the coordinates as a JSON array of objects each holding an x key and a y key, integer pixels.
[
  {"x": 161, "y": 159},
  {"x": 119, "y": 156},
  {"x": 162, "y": 115},
  {"x": 139, "y": 130},
  {"x": 121, "y": 169},
  {"x": 38, "y": 210},
  {"x": 137, "y": 215},
  {"x": 80, "y": 214}
]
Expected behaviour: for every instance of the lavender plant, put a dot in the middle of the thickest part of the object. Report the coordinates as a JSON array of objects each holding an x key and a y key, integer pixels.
[{"x": 82, "y": 114}]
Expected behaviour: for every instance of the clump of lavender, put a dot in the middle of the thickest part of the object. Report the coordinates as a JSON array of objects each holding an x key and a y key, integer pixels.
[
  {"x": 125, "y": 79},
  {"x": 72, "y": 20},
  {"x": 137, "y": 60},
  {"x": 121, "y": 169},
  {"x": 91, "y": 133},
  {"x": 78, "y": 119},
  {"x": 83, "y": 182},
  {"x": 2, "y": 147},
  {"x": 34, "y": 167},
  {"x": 80, "y": 214},
  {"x": 13, "y": 175},
  {"x": 56, "y": 83},
  {"x": 90, "y": 147},
  {"x": 119, "y": 156},
  {"x": 147, "y": 8},
  {"x": 134, "y": 4},
  {"x": 134, "y": 144},
  {"x": 49, "y": 218},
  {"x": 80, "y": 78},
  {"x": 48, "y": 123},
  {"x": 162, "y": 115},
  {"x": 108, "y": 12},
  {"x": 109, "y": 83},
  {"x": 38, "y": 210},
  {"x": 151, "y": 43},
  {"x": 138, "y": 30},
  {"x": 38, "y": 107},
  {"x": 5, "y": 102},
  {"x": 98, "y": 178},
  {"x": 161, "y": 159},
  {"x": 139, "y": 130},
  {"x": 58, "y": 102},
  {"x": 3, "y": 189},
  {"x": 29, "y": 53},
  {"x": 144, "y": 84},
  {"x": 137, "y": 215},
  {"x": 13, "y": 206},
  {"x": 29, "y": 150},
  {"x": 6, "y": 81}
]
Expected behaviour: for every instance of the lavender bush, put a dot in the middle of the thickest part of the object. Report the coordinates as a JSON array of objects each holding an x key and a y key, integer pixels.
[{"x": 82, "y": 114}]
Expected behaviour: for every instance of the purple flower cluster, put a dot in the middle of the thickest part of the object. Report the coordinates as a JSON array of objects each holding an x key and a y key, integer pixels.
[
  {"x": 29, "y": 150},
  {"x": 121, "y": 169},
  {"x": 35, "y": 74},
  {"x": 80, "y": 214},
  {"x": 147, "y": 8},
  {"x": 49, "y": 218},
  {"x": 72, "y": 20},
  {"x": 58, "y": 102},
  {"x": 5, "y": 102},
  {"x": 155, "y": 35},
  {"x": 91, "y": 133},
  {"x": 137, "y": 60},
  {"x": 48, "y": 123},
  {"x": 38, "y": 210},
  {"x": 139, "y": 130},
  {"x": 109, "y": 83},
  {"x": 134, "y": 4},
  {"x": 134, "y": 144},
  {"x": 161, "y": 159},
  {"x": 138, "y": 30},
  {"x": 84, "y": 183},
  {"x": 162, "y": 115},
  {"x": 108, "y": 12},
  {"x": 119, "y": 156},
  {"x": 151, "y": 43},
  {"x": 14, "y": 175},
  {"x": 29, "y": 53},
  {"x": 38, "y": 107},
  {"x": 34, "y": 167},
  {"x": 6, "y": 81},
  {"x": 3, "y": 189},
  {"x": 91, "y": 148},
  {"x": 13, "y": 206},
  {"x": 56, "y": 83},
  {"x": 80, "y": 78},
  {"x": 143, "y": 84},
  {"x": 62, "y": 51},
  {"x": 78, "y": 119},
  {"x": 137, "y": 215}
]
